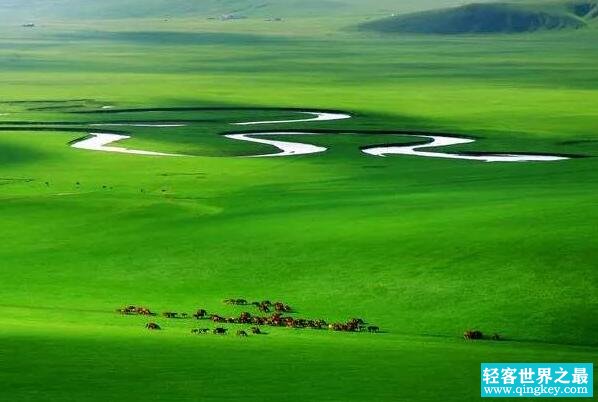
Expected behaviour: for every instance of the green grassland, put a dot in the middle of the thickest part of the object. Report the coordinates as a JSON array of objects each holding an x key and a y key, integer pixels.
[
  {"x": 424, "y": 248},
  {"x": 119, "y": 10}
]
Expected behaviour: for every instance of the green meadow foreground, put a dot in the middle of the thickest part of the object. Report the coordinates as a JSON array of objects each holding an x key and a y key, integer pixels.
[{"x": 424, "y": 248}]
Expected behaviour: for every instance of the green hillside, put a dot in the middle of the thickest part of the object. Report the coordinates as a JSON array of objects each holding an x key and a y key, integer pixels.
[{"x": 491, "y": 18}]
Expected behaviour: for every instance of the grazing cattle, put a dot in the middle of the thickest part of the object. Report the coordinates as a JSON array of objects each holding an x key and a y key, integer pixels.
[
  {"x": 282, "y": 308},
  {"x": 144, "y": 311},
  {"x": 276, "y": 319},
  {"x": 245, "y": 318},
  {"x": 135, "y": 310},
  {"x": 239, "y": 302},
  {"x": 353, "y": 325},
  {"x": 316, "y": 324},
  {"x": 220, "y": 331},
  {"x": 152, "y": 326},
  {"x": 319, "y": 324},
  {"x": 217, "y": 318},
  {"x": 473, "y": 335}
]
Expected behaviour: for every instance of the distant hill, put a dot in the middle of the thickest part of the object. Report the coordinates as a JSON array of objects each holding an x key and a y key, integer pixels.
[
  {"x": 584, "y": 9},
  {"x": 491, "y": 18}
]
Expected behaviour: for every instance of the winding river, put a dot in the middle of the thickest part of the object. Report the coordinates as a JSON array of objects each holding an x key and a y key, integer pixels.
[
  {"x": 442, "y": 141},
  {"x": 99, "y": 141}
]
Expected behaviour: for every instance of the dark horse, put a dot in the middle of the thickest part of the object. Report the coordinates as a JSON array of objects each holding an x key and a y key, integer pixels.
[{"x": 220, "y": 331}]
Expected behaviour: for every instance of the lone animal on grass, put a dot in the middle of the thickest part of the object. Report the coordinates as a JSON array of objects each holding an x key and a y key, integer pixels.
[
  {"x": 201, "y": 313},
  {"x": 241, "y": 333},
  {"x": 152, "y": 326},
  {"x": 473, "y": 335}
]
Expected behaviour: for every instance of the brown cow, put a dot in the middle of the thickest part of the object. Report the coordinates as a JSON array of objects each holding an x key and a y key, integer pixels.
[{"x": 217, "y": 318}]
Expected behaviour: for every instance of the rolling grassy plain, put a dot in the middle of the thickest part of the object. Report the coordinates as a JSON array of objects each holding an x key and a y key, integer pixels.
[{"x": 423, "y": 248}]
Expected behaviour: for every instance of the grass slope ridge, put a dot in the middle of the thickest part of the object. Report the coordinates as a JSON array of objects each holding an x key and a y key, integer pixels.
[
  {"x": 584, "y": 9},
  {"x": 489, "y": 18}
]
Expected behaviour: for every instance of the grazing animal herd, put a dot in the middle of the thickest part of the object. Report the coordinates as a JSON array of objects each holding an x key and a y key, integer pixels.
[{"x": 273, "y": 314}]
